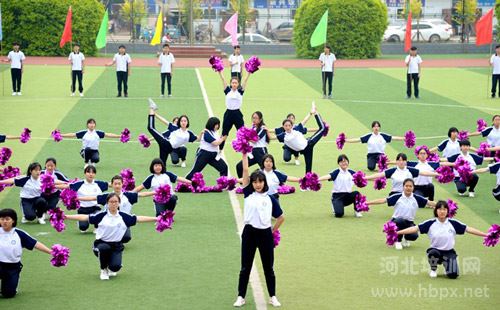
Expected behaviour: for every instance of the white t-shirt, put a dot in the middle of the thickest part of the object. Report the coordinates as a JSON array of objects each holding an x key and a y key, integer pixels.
[
  {"x": 166, "y": 61},
  {"x": 413, "y": 63},
  {"x": 16, "y": 59},
  {"x": 295, "y": 140},
  {"x": 495, "y": 62},
  {"x": 122, "y": 61},
  {"x": 76, "y": 61},
  {"x": 238, "y": 60},
  {"x": 328, "y": 61}
]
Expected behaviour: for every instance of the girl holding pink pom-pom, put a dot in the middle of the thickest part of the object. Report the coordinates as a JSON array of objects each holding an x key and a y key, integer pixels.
[
  {"x": 259, "y": 209},
  {"x": 442, "y": 231},
  {"x": 423, "y": 184},
  {"x": 12, "y": 242},
  {"x": 111, "y": 227},
  {"x": 274, "y": 178},
  {"x": 450, "y": 146},
  {"x": 342, "y": 193},
  {"x": 492, "y": 133},
  {"x": 8, "y": 137}
]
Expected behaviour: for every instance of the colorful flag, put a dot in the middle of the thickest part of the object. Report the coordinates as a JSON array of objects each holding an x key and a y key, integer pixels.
[
  {"x": 158, "y": 31},
  {"x": 231, "y": 27},
  {"x": 484, "y": 29},
  {"x": 319, "y": 35},
  {"x": 408, "y": 34},
  {"x": 67, "y": 35},
  {"x": 100, "y": 41}
]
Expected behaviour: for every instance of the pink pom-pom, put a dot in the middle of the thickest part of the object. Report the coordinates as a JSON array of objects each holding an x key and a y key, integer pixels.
[
  {"x": 7, "y": 173},
  {"x": 481, "y": 124},
  {"x": 57, "y": 219},
  {"x": 359, "y": 179},
  {"x": 463, "y": 135},
  {"x": 25, "y": 135},
  {"x": 391, "y": 231},
  {"x": 452, "y": 208},
  {"x": 60, "y": 255},
  {"x": 410, "y": 139},
  {"x": 239, "y": 190},
  {"x": 252, "y": 64},
  {"x": 493, "y": 235},
  {"x": 327, "y": 129},
  {"x": 48, "y": 185},
  {"x": 162, "y": 194},
  {"x": 276, "y": 237},
  {"x": 128, "y": 180},
  {"x": 464, "y": 170},
  {"x": 224, "y": 182},
  {"x": 360, "y": 204},
  {"x": 69, "y": 198},
  {"x": 497, "y": 156},
  {"x": 5, "y": 154},
  {"x": 421, "y": 147},
  {"x": 482, "y": 150},
  {"x": 340, "y": 141},
  {"x": 182, "y": 187},
  {"x": 56, "y": 135},
  {"x": 286, "y": 189},
  {"x": 383, "y": 162},
  {"x": 143, "y": 139},
  {"x": 244, "y": 139},
  {"x": 433, "y": 157},
  {"x": 310, "y": 182},
  {"x": 198, "y": 182},
  {"x": 445, "y": 174},
  {"x": 125, "y": 136},
  {"x": 216, "y": 63},
  {"x": 164, "y": 220},
  {"x": 380, "y": 183}
]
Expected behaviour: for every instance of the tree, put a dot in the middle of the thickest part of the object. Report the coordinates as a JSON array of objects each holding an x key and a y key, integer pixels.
[
  {"x": 185, "y": 9},
  {"x": 133, "y": 11},
  {"x": 465, "y": 16},
  {"x": 416, "y": 13},
  {"x": 245, "y": 14}
]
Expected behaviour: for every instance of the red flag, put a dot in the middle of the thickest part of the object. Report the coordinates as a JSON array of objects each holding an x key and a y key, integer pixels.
[
  {"x": 408, "y": 34},
  {"x": 67, "y": 35},
  {"x": 484, "y": 29}
]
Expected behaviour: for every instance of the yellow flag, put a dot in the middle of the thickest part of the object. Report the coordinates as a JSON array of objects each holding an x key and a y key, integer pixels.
[{"x": 159, "y": 27}]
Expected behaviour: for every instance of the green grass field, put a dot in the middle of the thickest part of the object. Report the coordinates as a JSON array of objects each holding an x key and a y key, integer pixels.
[{"x": 322, "y": 262}]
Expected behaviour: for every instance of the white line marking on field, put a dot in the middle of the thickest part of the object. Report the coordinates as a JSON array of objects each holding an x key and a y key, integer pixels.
[{"x": 255, "y": 283}]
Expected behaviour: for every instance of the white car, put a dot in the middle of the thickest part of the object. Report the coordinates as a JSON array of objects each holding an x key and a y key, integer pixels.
[
  {"x": 432, "y": 31},
  {"x": 250, "y": 38}
]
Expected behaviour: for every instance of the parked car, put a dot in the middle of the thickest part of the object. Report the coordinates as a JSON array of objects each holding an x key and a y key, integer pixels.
[
  {"x": 431, "y": 31},
  {"x": 250, "y": 38},
  {"x": 284, "y": 32}
]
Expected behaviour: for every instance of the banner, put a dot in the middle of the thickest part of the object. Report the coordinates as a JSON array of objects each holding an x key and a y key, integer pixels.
[
  {"x": 400, "y": 3},
  {"x": 276, "y": 4}
]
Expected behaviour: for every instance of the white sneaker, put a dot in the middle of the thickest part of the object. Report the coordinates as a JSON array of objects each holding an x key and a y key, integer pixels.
[
  {"x": 81, "y": 94},
  {"x": 72, "y": 94},
  {"x": 358, "y": 214},
  {"x": 433, "y": 274},
  {"x": 398, "y": 246},
  {"x": 274, "y": 302},
  {"x": 111, "y": 273},
  {"x": 405, "y": 243},
  {"x": 461, "y": 194},
  {"x": 19, "y": 93},
  {"x": 162, "y": 96},
  {"x": 183, "y": 164},
  {"x": 152, "y": 104},
  {"x": 297, "y": 162},
  {"x": 104, "y": 274},
  {"x": 41, "y": 220},
  {"x": 24, "y": 220},
  {"x": 14, "y": 93},
  {"x": 170, "y": 95},
  {"x": 471, "y": 194},
  {"x": 240, "y": 301}
]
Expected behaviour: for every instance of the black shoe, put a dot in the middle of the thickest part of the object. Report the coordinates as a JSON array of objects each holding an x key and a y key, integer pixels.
[
  {"x": 126, "y": 95},
  {"x": 493, "y": 96},
  {"x": 119, "y": 95},
  {"x": 417, "y": 97},
  {"x": 408, "y": 97}
]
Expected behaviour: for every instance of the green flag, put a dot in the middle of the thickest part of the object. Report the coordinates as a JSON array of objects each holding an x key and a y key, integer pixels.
[
  {"x": 100, "y": 41},
  {"x": 319, "y": 35}
]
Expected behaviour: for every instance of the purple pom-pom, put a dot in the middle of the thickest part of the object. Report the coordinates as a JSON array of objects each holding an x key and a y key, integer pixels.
[
  {"x": 216, "y": 63},
  {"x": 224, "y": 182},
  {"x": 410, "y": 139},
  {"x": 464, "y": 170},
  {"x": 497, "y": 156},
  {"x": 276, "y": 237},
  {"x": 286, "y": 189},
  {"x": 340, "y": 141},
  {"x": 69, "y": 198},
  {"x": 463, "y": 135},
  {"x": 391, "y": 231},
  {"x": 493, "y": 235},
  {"x": 310, "y": 181},
  {"x": 60, "y": 255},
  {"x": 244, "y": 139},
  {"x": 48, "y": 185},
  {"x": 162, "y": 194},
  {"x": 452, "y": 208},
  {"x": 252, "y": 64},
  {"x": 7, "y": 173},
  {"x": 482, "y": 150},
  {"x": 164, "y": 220},
  {"x": 445, "y": 174},
  {"x": 125, "y": 136},
  {"x": 128, "y": 180},
  {"x": 360, "y": 204},
  {"x": 182, "y": 187},
  {"x": 481, "y": 124},
  {"x": 421, "y": 147},
  {"x": 359, "y": 179},
  {"x": 239, "y": 190},
  {"x": 56, "y": 135},
  {"x": 327, "y": 129},
  {"x": 198, "y": 182},
  {"x": 57, "y": 219},
  {"x": 25, "y": 135},
  {"x": 383, "y": 162},
  {"x": 380, "y": 183},
  {"x": 433, "y": 157},
  {"x": 5, "y": 154},
  {"x": 143, "y": 139}
]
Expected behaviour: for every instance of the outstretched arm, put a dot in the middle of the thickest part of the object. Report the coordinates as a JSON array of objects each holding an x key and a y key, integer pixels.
[
  {"x": 377, "y": 201},
  {"x": 409, "y": 230},
  {"x": 481, "y": 170},
  {"x": 398, "y": 138},
  {"x": 7, "y": 181},
  {"x": 375, "y": 176},
  {"x": 183, "y": 180},
  {"x": 145, "y": 219},
  {"x": 68, "y": 135},
  {"x": 111, "y": 135},
  {"x": 246, "y": 176},
  {"x": 245, "y": 81},
  {"x": 224, "y": 83},
  {"x": 138, "y": 188},
  {"x": 162, "y": 119},
  {"x": 431, "y": 204},
  {"x": 42, "y": 247},
  {"x": 12, "y": 137},
  {"x": 353, "y": 140},
  {"x": 477, "y": 232},
  {"x": 324, "y": 178},
  {"x": 76, "y": 217},
  {"x": 293, "y": 179}
]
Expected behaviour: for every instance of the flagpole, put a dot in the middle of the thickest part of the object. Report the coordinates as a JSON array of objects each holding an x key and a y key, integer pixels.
[{"x": 489, "y": 75}]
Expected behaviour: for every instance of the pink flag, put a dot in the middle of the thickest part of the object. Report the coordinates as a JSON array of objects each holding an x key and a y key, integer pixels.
[{"x": 232, "y": 28}]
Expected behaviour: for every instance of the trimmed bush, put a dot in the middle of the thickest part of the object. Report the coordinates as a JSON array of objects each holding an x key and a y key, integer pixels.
[
  {"x": 38, "y": 25},
  {"x": 355, "y": 27}
]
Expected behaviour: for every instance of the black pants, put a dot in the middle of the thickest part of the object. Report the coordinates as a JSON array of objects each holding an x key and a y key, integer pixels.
[
  {"x": 77, "y": 74},
  {"x": 9, "y": 276},
  {"x": 251, "y": 239},
  {"x": 178, "y": 154},
  {"x": 127, "y": 236},
  {"x": 169, "y": 84},
  {"x": 327, "y": 77},
  {"x": 495, "y": 80},
  {"x": 372, "y": 160},
  {"x": 416, "y": 79},
  {"x": 163, "y": 143},
  {"x": 109, "y": 254},
  {"x": 16, "y": 75},
  {"x": 288, "y": 152},
  {"x": 496, "y": 192},
  {"x": 402, "y": 224},
  {"x": 231, "y": 117},
  {"x": 89, "y": 154},
  {"x": 342, "y": 200},
  {"x": 258, "y": 153},
  {"x": 84, "y": 225},
  {"x": 311, "y": 142},
  {"x": 447, "y": 258},
  {"x": 170, "y": 205},
  {"x": 462, "y": 187},
  {"x": 236, "y": 75},
  {"x": 204, "y": 158},
  {"x": 426, "y": 191},
  {"x": 122, "y": 78},
  {"x": 34, "y": 207}
]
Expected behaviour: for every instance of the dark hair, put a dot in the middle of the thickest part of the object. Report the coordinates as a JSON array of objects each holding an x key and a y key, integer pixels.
[
  {"x": 290, "y": 114},
  {"x": 451, "y": 130},
  {"x": 328, "y": 47},
  {"x": 376, "y": 123},
  {"x": 441, "y": 204},
  {"x": 91, "y": 120},
  {"x": 286, "y": 121},
  {"x": 341, "y": 158},
  {"x": 9, "y": 213},
  {"x": 32, "y": 167},
  {"x": 236, "y": 46},
  {"x": 494, "y": 116},
  {"x": 413, "y": 48},
  {"x": 116, "y": 177},
  {"x": 175, "y": 119},
  {"x": 258, "y": 175},
  {"x": 76, "y": 44},
  {"x": 497, "y": 46},
  {"x": 268, "y": 156},
  {"x": 259, "y": 114},
  {"x": 464, "y": 142},
  {"x": 402, "y": 156},
  {"x": 157, "y": 161},
  {"x": 166, "y": 45},
  {"x": 409, "y": 180},
  {"x": 235, "y": 78},
  {"x": 90, "y": 168},
  {"x": 179, "y": 120},
  {"x": 15, "y": 44},
  {"x": 121, "y": 46},
  {"x": 111, "y": 195},
  {"x": 52, "y": 159},
  {"x": 211, "y": 122}
]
